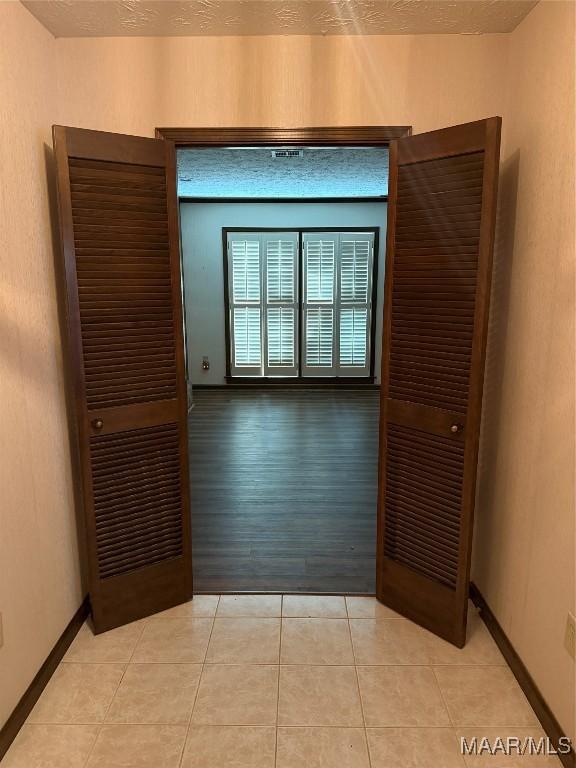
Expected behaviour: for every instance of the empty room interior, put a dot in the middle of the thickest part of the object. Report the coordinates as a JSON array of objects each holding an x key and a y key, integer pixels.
[
  {"x": 287, "y": 373},
  {"x": 283, "y": 299}
]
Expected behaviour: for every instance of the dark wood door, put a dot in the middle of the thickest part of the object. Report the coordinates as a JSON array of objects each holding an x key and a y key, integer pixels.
[
  {"x": 120, "y": 238},
  {"x": 441, "y": 215}
]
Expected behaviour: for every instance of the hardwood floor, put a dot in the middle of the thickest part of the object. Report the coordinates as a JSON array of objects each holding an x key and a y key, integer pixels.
[{"x": 284, "y": 487}]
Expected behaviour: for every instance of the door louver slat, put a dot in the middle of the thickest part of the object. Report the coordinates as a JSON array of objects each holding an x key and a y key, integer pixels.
[
  {"x": 441, "y": 217},
  {"x": 123, "y": 548},
  {"x": 110, "y": 303},
  {"x": 119, "y": 226},
  {"x": 424, "y": 316}
]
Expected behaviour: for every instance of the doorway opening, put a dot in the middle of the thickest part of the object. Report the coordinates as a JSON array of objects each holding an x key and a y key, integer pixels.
[
  {"x": 283, "y": 280},
  {"x": 122, "y": 273}
]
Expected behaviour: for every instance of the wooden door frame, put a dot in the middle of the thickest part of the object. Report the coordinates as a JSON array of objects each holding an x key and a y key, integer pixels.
[
  {"x": 341, "y": 136},
  {"x": 335, "y": 136}
]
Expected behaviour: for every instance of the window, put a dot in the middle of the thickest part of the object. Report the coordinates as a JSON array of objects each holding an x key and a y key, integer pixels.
[{"x": 276, "y": 332}]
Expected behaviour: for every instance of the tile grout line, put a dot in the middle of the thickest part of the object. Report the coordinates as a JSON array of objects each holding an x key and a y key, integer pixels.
[
  {"x": 278, "y": 686},
  {"x": 101, "y": 725},
  {"x": 203, "y": 664},
  {"x": 358, "y": 685}
]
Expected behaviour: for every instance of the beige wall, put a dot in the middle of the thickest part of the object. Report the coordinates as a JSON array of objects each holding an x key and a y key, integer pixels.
[
  {"x": 133, "y": 85},
  {"x": 39, "y": 583},
  {"x": 136, "y": 84},
  {"x": 524, "y": 555}
]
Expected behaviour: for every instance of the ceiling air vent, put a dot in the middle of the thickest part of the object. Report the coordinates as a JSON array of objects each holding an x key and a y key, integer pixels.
[{"x": 286, "y": 153}]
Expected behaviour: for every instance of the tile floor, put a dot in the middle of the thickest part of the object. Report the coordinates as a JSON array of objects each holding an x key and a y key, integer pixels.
[{"x": 263, "y": 681}]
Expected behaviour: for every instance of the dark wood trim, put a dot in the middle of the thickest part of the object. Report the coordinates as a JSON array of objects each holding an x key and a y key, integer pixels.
[
  {"x": 226, "y": 303},
  {"x": 374, "y": 300},
  {"x": 300, "y": 231},
  {"x": 292, "y": 200},
  {"x": 288, "y": 382},
  {"x": 18, "y": 717},
  {"x": 286, "y": 592},
  {"x": 525, "y": 680},
  {"x": 314, "y": 136}
]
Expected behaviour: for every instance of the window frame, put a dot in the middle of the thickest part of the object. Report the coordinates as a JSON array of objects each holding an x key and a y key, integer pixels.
[{"x": 320, "y": 379}]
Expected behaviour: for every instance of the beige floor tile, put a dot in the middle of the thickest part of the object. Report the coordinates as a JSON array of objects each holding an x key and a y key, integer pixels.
[
  {"x": 484, "y": 696},
  {"x": 244, "y": 641},
  {"x": 400, "y": 641},
  {"x": 314, "y": 606},
  {"x": 155, "y": 693},
  {"x": 414, "y": 748},
  {"x": 316, "y": 641},
  {"x": 255, "y": 606},
  {"x": 229, "y": 746},
  {"x": 51, "y": 746},
  {"x": 401, "y": 696},
  {"x": 138, "y": 746},
  {"x": 322, "y": 695},
  {"x": 322, "y": 748},
  {"x": 498, "y": 737},
  {"x": 237, "y": 695},
  {"x": 368, "y": 608},
  {"x": 116, "y": 645},
  {"x": 174, "y": 640},
  {"x": 78, "y": 694},
  {"x": 200, "y": 607}
]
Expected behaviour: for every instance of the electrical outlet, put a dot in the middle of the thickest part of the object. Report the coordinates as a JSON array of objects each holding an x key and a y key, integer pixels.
[
  {"x": 205, "y": 364},
  {"x": 570, "y": 635}
]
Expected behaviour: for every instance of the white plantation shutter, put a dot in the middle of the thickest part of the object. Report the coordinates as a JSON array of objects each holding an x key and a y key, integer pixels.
[
  {"x": 245, "y": 271},
  {"x": 354, "y": 269},
  {"x": 353, "y": 324},
  {"x": 320, "y": 255},
  {"x": 280, "y": 337},
  {"x": 319, "y": 337},
  {"x": 335, "y": 309},
  {"x": 245, "y": 298},
  {"x": 281, "y": 311},
  {"x": 319, "y": 280},
  {"x": 247, "y": 337},
  {"x": 354, "y": 305}
]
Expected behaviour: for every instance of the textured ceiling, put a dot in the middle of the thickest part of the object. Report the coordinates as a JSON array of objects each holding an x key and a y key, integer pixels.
[
  {"x": 255, "y": 172},
  {"x": 113, "y": 18}
]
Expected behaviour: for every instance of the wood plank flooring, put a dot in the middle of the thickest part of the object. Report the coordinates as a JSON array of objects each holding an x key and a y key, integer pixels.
[{"x": 284, "y": 486}]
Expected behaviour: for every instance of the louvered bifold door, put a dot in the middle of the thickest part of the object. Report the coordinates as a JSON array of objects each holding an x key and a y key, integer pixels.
[
  {"x": 245, "y": 303},
  {"x": 441, "y": 212},
  {"x": 280, "y": 277},
  {"x": 119, "y": 226},
  {"x": 320, "y": 251},
  {"x": 356, "y": 254}
]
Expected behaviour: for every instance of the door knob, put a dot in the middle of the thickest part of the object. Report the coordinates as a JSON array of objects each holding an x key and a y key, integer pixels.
[
  {"x": 455, "y": 428},
  {"x": 97, "y": 424}
]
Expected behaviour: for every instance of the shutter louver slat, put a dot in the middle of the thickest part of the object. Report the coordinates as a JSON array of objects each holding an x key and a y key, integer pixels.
[
  {"x": 281, "y": 303},
  {"x": 354, "y": 275},
  {"x": 245, "y": 271},
  {"x": 280, "y": 270},
  {"x": 319, "y": 336},
  {"x": 280, "y": 332},
  {"x": 353, "y": 334},
  {"x": 355, "y": 283},
  {"x": 320, "y": 258},
  {"x": 247, "y": 337}
]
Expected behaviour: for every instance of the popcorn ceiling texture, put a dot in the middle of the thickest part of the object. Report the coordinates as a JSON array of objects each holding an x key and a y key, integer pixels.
[
  {"x": 122, "y": 18},
  {"x": 320, "y": 172}
]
